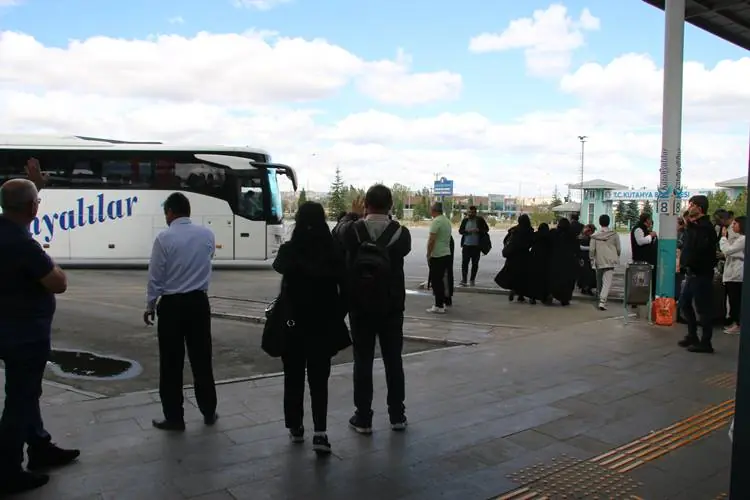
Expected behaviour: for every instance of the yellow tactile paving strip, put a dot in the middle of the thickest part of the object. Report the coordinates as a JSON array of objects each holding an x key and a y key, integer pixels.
[
  {"x": 603, "y": 477},
  {"x": 722, "y": 381}
]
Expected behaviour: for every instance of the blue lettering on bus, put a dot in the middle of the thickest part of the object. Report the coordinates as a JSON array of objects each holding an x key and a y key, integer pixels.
[{"x": 83, "y": 214}]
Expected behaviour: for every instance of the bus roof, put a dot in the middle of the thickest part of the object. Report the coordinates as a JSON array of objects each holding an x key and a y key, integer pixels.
[{"x": 37, "y": 141}]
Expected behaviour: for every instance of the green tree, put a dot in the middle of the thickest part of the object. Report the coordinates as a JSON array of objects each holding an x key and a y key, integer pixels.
[
  {"x": 739, "y": 204},
  {"x": 401, "y": 196},
  {"x": 302, "y": 197},
  {"x": 337, "y": 196},
  {"x": 556, "y": 201},
  {"x": 621, "y": 213},
  {"x": 632, "y": 214},
  {"x": 717, "y": 200},
  {"x": 647, "y": 208},
  {"x": 540, "y": 215}
]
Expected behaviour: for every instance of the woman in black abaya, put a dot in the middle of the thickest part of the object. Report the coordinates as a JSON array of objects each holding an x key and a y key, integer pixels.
[
  {"x": 539, "y": 269},
  {"x": 563, "y": 262},
  {"x": 515, "y": 273}
]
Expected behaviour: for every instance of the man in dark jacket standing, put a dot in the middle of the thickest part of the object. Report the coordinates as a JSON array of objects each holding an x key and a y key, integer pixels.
[
  {"x": 29, "y": 280},
  {"x": 473, "y": 231},
  {"x": 366, "y": 227},
  {"x": 644, "y": 245},
  {"x": 697, "y": 261},
  {"x": 575, "y": 225}
]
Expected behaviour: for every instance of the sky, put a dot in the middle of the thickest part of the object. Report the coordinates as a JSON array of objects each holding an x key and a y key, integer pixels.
[{"x": 490, "y": 93}]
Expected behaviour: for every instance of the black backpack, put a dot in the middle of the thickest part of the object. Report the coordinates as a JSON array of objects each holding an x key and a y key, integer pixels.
[{"x": 370, "y": 271}]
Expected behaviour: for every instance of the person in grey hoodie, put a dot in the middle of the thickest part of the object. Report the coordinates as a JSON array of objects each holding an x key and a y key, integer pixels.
[{"x": 604, "y": 252}]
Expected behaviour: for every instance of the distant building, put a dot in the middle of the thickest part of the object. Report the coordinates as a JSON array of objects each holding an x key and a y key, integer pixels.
[{"x": 734, "y": 187}]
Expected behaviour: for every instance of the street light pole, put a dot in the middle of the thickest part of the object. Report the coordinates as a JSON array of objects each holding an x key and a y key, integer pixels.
[{"x": 583, "y": 139}]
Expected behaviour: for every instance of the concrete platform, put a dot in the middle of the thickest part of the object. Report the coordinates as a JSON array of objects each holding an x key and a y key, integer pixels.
[{"x": 556, "y": 388}]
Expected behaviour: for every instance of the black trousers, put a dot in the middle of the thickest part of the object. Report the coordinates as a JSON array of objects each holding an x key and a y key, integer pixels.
[
  {"x": 21, "y": 422},
  {"x": 438, "y": 267},
  {"x": 390, "y": 333},
  {"x": 698, "y": 288},
  {"x": 185, "y": 321},
  {"x": 470, "y": 254},
  {"x": 297, "y": 361},
  {"x": 734, "y": 292}
]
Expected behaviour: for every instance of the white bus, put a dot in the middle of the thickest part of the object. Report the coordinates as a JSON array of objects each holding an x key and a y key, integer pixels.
[{"x": 103, "y": 201}]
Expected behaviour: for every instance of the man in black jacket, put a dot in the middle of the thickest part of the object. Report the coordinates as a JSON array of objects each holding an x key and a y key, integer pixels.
[
  {"x": 697, "y": 260},
  {"x": 473, "y": 230},
  {"x": 387, "y": 325},
  {"x": 644, "y": 245}
]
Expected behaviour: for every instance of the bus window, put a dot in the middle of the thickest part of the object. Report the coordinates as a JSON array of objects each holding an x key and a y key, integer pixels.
[
  {"x": 127, "y": 173},
  {"x": 250, "y": 203},
  {"x": 276, "y": 213}
]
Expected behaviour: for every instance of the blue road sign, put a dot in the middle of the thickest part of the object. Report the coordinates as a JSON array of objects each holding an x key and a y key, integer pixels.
[{"x": 443, "y": 187}]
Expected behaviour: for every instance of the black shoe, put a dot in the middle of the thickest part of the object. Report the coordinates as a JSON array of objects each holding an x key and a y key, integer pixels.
[
  {"x": 21, "y": 482},
  {"x": 297, "y": 435},
  {"x": 511, "y": 296},
  {"x": 399, "y": 423},
  {"x": 702, "y": 348},
  {"x": 49, "y": 456},
  {"x": 211, "y": 419},
  {"x": 688, "y": 341},
  {"x": 169, "y": 425},
  {"x": 321, "y": 446},
  {"x": 521, "y": 299},
  {"x": 361, "y": 424},
  {"x": 532, "y": 302}
]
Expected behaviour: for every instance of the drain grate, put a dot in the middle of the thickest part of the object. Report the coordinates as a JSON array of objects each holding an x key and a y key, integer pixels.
[
  {"x": 570, "y": 478},
  {"x": 659, "y": 443},
  {"x": 722, "y": 380}
]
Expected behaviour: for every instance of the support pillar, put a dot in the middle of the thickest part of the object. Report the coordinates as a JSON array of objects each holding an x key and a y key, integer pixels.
[
  {"x": 670, "y": 173},
  {"x": 740, "y": 482}
]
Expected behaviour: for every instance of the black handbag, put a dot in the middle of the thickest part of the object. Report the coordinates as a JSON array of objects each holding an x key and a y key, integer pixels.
[{"x": 279, "y": 325}]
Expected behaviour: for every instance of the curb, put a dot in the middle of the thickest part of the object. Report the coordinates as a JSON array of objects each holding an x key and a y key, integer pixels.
[
  {"x": 414, "y": 338},
  {"x": 501, "y": 291}
]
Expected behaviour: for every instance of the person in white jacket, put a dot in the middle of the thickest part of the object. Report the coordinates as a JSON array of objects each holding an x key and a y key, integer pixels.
[
  {"x": 604, "y": 252},
  {"x": 734, "y": 252}
]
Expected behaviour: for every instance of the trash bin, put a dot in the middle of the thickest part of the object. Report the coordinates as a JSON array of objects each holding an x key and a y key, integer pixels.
[{"x": 638, "y": 284}]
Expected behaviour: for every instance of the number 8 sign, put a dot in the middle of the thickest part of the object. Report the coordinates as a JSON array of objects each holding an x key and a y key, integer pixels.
[{"x": 663, "y": 207}]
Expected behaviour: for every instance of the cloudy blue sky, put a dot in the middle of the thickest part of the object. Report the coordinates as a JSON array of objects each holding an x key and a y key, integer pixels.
[{"x": 491, "y": 93}]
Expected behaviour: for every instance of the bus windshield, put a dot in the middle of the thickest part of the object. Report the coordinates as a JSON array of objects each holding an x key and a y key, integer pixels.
[{"x": 276, "y": 212}]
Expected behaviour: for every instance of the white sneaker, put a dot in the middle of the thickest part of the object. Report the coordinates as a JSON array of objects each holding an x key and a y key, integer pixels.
[
  {"x": 436, "y": 310},
  {"x": 602, "y": 307},
  {"x": 732, "y": 330}
]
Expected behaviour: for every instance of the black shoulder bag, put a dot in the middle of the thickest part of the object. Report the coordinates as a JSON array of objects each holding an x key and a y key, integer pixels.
[{"x": 279, "y": 325}]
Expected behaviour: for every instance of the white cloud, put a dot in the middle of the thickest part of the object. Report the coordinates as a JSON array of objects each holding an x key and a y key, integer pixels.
[
  {"x": 9, "y": 3},
  {"x": 548, "y": 38},
  {"x": 246, "y": 90},
  {"x": 176, "y": 20},
  {"x": 259, "y": 4}
]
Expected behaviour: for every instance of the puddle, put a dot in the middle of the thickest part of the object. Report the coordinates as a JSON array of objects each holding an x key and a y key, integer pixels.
[{"x": 91, "y": 366}]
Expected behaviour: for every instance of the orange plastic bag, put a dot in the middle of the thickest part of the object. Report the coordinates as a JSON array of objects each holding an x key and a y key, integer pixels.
[{"x": 663, "y": 311}]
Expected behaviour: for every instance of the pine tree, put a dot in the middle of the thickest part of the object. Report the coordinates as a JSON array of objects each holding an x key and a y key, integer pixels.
[
  {"x": 621, "y": 213},
  {"x": 647, "y": 208},
  {"x": 632, "y": 214},
  {"x": 302, "y": 198},
  {"x": 337, "y": 196},
  {"x": 556, "y": 201}
]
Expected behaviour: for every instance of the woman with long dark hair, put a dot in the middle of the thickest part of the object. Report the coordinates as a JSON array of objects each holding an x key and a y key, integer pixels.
[{"x": 313, "y": 269}]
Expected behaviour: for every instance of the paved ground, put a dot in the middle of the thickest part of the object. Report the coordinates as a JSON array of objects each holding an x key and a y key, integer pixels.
[
  {"x": 481, "y": 417},
  {"x": 556, "y": 388}
]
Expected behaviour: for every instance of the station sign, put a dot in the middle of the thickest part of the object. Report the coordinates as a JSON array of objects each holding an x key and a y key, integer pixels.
[{"x": 443, "y": 187}]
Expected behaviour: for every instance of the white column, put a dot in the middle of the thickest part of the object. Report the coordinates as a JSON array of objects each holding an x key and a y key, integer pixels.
[{"x": 670, "y": 173}]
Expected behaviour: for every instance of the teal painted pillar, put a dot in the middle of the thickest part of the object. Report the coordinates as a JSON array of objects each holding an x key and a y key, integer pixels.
[{"x": 670, "y": 172}]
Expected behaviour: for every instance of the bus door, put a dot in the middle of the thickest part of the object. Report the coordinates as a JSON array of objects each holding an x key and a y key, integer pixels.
[{"x": 250, "y": 216}]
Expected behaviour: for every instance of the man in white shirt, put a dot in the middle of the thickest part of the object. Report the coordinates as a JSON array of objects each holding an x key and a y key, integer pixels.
[
  {"x": 179, "y": 274},
  {"x": 644, "y": 244}
]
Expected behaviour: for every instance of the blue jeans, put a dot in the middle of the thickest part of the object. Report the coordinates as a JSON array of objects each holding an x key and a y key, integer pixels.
[
  {"x": 21, "y": 422},
  {"x": 698, "y": 288}
]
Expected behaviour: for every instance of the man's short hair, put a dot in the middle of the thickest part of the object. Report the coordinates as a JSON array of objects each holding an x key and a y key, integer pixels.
[
  {"x": 645, "y": 216},
  {"x": 379, "y": 199},
  {"x": 700, "y": 201},
  {"x": 473, "y": 208},
  {"x": 16, "y": 194},
  {"x": 437, "y": 207},
  {"x": 604, "y": 220},
  {"x": 574, "y": 217},
  {"x": 178, "y": 203}
]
